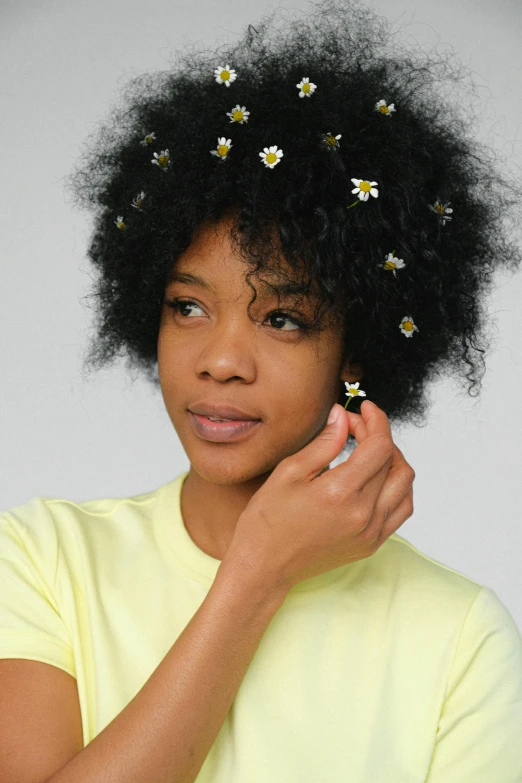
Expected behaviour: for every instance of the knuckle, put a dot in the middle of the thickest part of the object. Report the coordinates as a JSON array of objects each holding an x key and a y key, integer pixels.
[
  {"x": 333, "y": 494},
  {"x": 290, "y": 469}
]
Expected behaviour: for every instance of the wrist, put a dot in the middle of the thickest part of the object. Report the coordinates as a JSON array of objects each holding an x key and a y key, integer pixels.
[{"x": 245, "y": 576}]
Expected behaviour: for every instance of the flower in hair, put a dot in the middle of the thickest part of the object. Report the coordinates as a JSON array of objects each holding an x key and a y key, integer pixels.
[
  {"x": 162, "y": 160},
  {"x": 364, "y": 189},
  {"x": 306, "y": 87},
  {"x": 149, "y": 138},
  {"x": 352, "y": 390},
  {"x": 332, "y": 142},
  {"x": 225, "y": 75},
  {"x": 393, "y": 263},
  {"x": 271, "y": 156},
  {"x": 407, "y": 326},
  {"x": 384, "y": 109},
  {"x": 238, "y": 114},
  {"x": 223, "y": 146},
  {"x": 441, "y": 210},
  {"x": 120, "y": 223},
  {"x": 137, "y": 202}
]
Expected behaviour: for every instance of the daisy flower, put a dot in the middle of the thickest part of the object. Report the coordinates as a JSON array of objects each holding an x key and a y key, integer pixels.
[
  {"x": 120, "y": 223},
  {"x": 407, "y": 326},
  {"x": 393, "y": 263},
  {"x": 364, "y": 189},
  {"x": 138, "y": 200},
  {"x": 271, "y": 156},
  {"x": 225, "y": 75},
  {"x": 306, "y": 87},
  {"x": 162, "y": 160},
  {"x": 149, "y": 138},
  {"x": 352, "y": 390},
  {"x": 238, "y": 114},
  {"x": 223, "y": 146},
  {"x": 384, "y": 109},
  {"x": 331, "y": 141},
  {"x": 441, "y": 210}
]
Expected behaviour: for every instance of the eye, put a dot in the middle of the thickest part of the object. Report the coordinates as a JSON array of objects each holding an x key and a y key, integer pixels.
[
  {"x": 281, "y": 315},
  {"x": 179, "y": 304}
]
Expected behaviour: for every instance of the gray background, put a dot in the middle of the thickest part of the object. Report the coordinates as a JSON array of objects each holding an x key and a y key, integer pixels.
[{"x": 61, "y": 66}]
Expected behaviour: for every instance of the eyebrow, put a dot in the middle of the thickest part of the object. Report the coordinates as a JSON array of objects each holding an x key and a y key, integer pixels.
[{"x": 284, "y": 289}]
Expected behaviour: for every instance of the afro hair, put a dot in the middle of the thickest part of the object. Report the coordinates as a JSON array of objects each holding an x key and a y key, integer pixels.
[{"x": 423, "y": 157}]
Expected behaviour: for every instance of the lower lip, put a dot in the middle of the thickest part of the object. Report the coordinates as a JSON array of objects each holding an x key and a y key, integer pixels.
[{"x": 220, "y": 431}]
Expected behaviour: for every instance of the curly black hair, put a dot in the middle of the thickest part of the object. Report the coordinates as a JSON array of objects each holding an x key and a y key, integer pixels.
[{"x": 418, "y": 148}]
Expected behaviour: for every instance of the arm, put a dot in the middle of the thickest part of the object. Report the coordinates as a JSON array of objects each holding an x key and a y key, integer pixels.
[{"x": 165, "y": 733}]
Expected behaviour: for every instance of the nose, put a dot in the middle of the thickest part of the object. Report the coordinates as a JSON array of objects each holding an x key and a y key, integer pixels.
[{"x": 229, "y": 349}]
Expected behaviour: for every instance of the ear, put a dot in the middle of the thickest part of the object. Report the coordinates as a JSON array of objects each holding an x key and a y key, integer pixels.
[{"x": 351, "y": 372}]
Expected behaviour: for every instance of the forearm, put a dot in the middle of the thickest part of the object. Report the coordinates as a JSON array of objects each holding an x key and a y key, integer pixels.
[{"x": 165, "y": 733}]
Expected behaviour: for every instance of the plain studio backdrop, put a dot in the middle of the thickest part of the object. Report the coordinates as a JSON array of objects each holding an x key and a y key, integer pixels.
[{"x": 62, "y": 63}]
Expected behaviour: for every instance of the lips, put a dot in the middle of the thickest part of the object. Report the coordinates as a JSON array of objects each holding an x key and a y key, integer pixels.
[
  {"x": 221, "y": 431},
  {"x": 222, "y": 412}
]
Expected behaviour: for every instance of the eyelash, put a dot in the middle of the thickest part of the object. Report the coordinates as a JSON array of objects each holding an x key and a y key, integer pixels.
[{"x": 176, "y": 303}]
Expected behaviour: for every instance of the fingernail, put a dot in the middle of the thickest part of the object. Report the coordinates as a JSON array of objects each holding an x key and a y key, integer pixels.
[{"x": 334, "y": 414}]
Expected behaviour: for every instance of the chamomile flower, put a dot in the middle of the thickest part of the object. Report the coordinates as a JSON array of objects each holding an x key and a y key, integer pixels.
[
  {"x": 332, "y": 142},
  {"x": 384, "y": 108},
  {"x": 162, "y": 160},
  {"x": 137, "y": 202},
  {"x": 225, "y": 75},
  {"x": 441, "y": 209},
  {"x": 238, "y": 114},
  {"x": 352, "y": 390},
  {"x": 119, "y": 222},
  {"x": 407, "y": 326},
  {"x": 306, "y": 87},
  {"x": 271, "y": 156},
  {"x": 393, "y": 263},
  {"x": 149, "y": 138},
  {"x": 364, "y": 189},
  {"x": 223, "y": 146}
]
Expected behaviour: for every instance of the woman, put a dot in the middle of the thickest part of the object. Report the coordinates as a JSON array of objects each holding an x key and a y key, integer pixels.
[{"x": 282, "y": 228}]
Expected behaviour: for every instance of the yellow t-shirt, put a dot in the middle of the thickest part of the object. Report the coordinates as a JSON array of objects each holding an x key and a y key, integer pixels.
[{"x": 392, "y": 669}]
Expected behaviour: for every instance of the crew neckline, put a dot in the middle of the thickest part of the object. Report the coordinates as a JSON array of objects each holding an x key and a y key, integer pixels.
[{"x": 184, "y": 553}]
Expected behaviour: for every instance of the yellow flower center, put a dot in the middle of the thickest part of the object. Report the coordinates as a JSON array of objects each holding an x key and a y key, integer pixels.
[
  {"x": 384, "y": 109},
  {"x": 222, "y": 150},
  {"x": 440, "y": 208},
  {"x": 139, "y": 202},
  {"x": 148, "y": 139},
  {"x": 238, "y": 115},
  {"x": 331, "y": 140},
  {"x": 365, "y": 186},
  {"x": 225, "y": 75},
  {"x": 306, "y": 87},
  {"x": 407, "y": 325},
  {"x": 353, "y": 391},
  {"x": 390, "y": 265},
  {"x": 163, "y": 160},
  {"x": 271, "y": 157}
]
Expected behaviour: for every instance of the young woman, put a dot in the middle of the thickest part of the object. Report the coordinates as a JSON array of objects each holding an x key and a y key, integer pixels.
[{"x": 293, "y": 236}]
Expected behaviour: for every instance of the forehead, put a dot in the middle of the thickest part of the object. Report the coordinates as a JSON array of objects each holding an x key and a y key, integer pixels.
[{"x": 212, "y": 252}]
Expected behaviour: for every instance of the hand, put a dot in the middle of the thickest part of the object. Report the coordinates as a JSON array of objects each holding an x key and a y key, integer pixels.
[{"x": 303, "y": 522}]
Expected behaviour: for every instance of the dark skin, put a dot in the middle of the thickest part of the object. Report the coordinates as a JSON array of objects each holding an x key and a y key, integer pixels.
[{"x": 211, "y": 351}]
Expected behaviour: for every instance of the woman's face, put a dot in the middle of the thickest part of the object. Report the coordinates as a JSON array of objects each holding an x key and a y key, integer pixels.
[{"x": 209, "y": 351}]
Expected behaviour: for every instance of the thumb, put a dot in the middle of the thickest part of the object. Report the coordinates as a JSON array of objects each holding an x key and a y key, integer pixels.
[{"x": 328, "y": 444}]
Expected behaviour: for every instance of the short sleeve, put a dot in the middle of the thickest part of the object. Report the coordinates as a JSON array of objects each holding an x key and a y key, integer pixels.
[
  {"x": 479, "y": 736},
  {"x": 30, "y": 623}
]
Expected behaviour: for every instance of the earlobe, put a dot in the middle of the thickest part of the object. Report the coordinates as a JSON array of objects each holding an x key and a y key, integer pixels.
[{"x": 351, "y": 372}]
